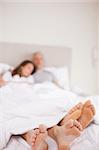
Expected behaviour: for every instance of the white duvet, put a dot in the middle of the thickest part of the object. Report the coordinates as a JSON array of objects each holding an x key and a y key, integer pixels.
[{"x": 25, "y": 106}]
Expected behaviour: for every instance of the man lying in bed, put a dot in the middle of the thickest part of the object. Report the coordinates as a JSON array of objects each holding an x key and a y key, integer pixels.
[{"x": 41, "y": 74}]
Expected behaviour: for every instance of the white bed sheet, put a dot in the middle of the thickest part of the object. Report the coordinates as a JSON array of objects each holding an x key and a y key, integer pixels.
[{"x": 88, "y": 140}]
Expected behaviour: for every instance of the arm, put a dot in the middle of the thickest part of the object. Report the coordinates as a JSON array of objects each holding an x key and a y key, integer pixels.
[{"x": 2, "y": 82}]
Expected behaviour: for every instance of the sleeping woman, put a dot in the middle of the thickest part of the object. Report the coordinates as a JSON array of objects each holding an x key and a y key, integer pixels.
[
  {"x": 22, "y": 73},
  {"x": 70, "y": 127}
]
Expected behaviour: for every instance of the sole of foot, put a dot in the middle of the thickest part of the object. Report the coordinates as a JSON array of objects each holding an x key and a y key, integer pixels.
[
  {"x": 74, "y": 113},
  {"x": 87, "y": 115},
  {"x": 40, "y": 143},
  {"x": 65, "y": 134}
]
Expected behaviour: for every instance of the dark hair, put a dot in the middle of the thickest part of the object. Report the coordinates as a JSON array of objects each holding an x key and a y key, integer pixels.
[{"x": 18, "y": 69}]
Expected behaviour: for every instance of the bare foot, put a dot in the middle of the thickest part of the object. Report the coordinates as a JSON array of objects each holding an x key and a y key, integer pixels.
[
  {"x": 88, "y": 112},
  {"x": 65, "y": 134},
  {"x": 74, "y": 113},
  {"x": 40, "y": 143},
  {"x": 31, "y": 136}
]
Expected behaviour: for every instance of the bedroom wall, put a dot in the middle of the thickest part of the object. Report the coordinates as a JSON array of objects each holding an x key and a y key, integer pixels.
[
  {"x": 72, "y": 25},
  {"x": 98, "y": 47},
  {"x": 1, "y": 22}
]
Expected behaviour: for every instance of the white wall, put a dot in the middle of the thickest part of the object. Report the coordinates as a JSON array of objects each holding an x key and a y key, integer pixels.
[
  {"x": 1, "y": 22},
  {"x": 72, "y": 25},
  {"x": 98, "y": 26},
  {"x": 98, "y": 47}
]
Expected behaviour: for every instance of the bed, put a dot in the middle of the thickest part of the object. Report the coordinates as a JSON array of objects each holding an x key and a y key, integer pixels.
[{"x": 18, "y": 52}]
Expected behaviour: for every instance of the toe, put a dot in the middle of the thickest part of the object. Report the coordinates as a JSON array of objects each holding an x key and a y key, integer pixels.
[
  {"x": 69, "y": 124},
  {"x": 72, "y": 110},
  {"x": 37, "y": 131},
  {"x": 78, "y": 125},
  {"x": 78, "y": 106},
  {"x": 34, "y": 134},
  {"x": 87, "y": 103},
  {"x": 93, "y": 109},
  {"x": 42, "y": 128},
  {"x": 75, "y": 131},
  {"x": 33, "y": 143},
  {"x": 33, "y": 139}
]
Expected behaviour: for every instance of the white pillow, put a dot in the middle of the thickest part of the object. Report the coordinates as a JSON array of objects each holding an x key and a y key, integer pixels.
[
  {"x": 4, "y": 67},
  {"x": 62, "y": 76}
]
